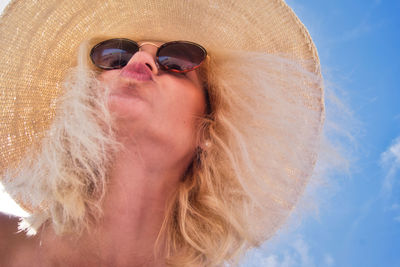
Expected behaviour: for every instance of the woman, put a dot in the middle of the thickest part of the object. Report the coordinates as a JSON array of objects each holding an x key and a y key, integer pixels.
[{"x": 130, "y": 149}]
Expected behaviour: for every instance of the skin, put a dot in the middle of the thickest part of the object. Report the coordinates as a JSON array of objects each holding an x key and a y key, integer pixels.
[{"x": 157, "y": 122}]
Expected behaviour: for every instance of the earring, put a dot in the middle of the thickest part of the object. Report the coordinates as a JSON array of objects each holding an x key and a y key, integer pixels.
[{"x": 207, "y": 144}]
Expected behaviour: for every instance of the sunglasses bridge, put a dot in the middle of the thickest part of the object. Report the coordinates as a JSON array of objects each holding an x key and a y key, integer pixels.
[
  {"x": 149, "y": 43},
  {"x": 155, "y": 61}
]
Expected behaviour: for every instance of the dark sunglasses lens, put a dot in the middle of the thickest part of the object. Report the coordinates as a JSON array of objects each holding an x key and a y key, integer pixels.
[
  {"x": 114, "y": 53},
  {"x": 181, "y": 56}
]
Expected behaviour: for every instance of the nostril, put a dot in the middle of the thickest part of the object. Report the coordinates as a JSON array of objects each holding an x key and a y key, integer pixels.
[{"x": 150, "y": 67}]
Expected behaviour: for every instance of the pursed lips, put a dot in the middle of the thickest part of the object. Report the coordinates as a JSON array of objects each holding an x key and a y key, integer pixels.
[
  {"x": 137, "y": 71},
  {"x": 129, "y": 82}
]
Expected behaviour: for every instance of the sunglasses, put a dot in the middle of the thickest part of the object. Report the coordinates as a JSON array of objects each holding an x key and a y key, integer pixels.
[{"x": 176, "y": 56}]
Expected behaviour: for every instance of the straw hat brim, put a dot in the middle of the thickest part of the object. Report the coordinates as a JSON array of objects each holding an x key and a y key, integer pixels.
[{"x": 40, "y": 38}]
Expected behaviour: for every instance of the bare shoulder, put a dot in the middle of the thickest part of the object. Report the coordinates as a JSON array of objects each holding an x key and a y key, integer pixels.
[
  {"x": 9, "y": 237},
  {"x": 8, "y": 230},
  {"x": 12, "y": 243}
]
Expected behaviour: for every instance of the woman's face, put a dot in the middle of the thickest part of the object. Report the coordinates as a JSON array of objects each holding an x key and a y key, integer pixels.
[{"x": 156, "y": 108}]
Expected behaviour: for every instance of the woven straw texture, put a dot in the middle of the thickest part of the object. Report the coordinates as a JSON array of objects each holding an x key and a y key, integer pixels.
[{"x": 40, "y": 38}]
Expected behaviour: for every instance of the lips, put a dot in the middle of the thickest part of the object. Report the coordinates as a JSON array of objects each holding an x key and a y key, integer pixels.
[{"x": 137, "y": 71}]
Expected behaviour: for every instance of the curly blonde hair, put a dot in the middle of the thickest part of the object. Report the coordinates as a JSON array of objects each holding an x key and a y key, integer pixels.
[{"x": 265, "y": 117}]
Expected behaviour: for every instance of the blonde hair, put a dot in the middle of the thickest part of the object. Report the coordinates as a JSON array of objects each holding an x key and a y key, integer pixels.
[
  {"x": 263, "y": 136},
  {"x": 262, "y": 131},
  {"x": 64, "y": 179}
]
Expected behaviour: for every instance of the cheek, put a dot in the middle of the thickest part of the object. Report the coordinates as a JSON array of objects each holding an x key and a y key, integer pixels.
[
  {"x": 184, "y": 112},
  {"x": 184, "y": 101},
  {"x": 106, "y": 76}
]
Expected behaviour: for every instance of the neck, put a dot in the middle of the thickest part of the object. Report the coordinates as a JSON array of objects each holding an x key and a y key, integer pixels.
[{"x": 134, "y": 210}]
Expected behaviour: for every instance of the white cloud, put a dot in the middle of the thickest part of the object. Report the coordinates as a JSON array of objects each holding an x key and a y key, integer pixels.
[
  {"x": 391, "y": 163},
  {"x": 390, "y": 160},
  {"x": 271, "y": 261},
  {"x": 302, "y": 249},
  {"x": 393, "y": 152}
]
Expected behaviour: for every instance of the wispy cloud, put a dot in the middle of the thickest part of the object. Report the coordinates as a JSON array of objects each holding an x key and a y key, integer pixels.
[
  {"x": 365, "y": 25},
  {"x": 328, "y": 260},
  {"x": 394, "y": 206},
  {"x": 302, "y": 249},
  {"x": 391, "y": 164},
  {"x": 390, "y": 161},
  {"x": 298, "y": 254}
]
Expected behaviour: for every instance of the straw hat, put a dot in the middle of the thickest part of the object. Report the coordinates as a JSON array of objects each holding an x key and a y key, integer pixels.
[{"x": 40, "y": 38}]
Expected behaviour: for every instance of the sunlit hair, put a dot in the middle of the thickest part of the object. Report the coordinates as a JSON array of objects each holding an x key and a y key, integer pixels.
[
  {"x": 64, "y": 180},
  {"x": 261, "y": 135}
]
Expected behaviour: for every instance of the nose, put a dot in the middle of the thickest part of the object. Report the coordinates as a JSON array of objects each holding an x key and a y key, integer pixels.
[{"x": 146, "y": 55}]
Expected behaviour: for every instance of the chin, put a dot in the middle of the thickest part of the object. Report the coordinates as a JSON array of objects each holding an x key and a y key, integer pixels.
[{"x": 125, "y": 108}]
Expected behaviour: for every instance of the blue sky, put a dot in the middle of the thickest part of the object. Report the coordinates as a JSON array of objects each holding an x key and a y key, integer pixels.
[
  {"x": 353, "y": 217},
  {"x": 357, "y": 222}
]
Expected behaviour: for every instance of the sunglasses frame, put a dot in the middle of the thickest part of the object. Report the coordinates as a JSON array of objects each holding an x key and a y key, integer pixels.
[{"x": 158, "y": 63}]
